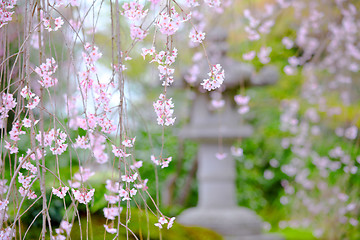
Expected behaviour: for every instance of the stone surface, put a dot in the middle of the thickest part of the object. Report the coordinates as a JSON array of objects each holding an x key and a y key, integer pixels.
[{"x": 229, "y": 222}]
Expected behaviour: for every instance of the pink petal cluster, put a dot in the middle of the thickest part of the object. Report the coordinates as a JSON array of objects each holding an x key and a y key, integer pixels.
[
  {"x": 7, "y": 103},
  {"x": 164, "y": 111},
  {"x": 112, "y": 212},
  {"x": 213, "y": 3},
  {"x": 90, "y": 56},
  {"x": 165, "y": 60},
  {"x": 129, "y": 142},
  {"x": 82, "y": 196},
  {"x": 81, "y": 142},
  {"x": 25, "y": 190},
  {"x": 60, "y": 192},
  {"x": 263, "y": 55},
  {"x": 197, "y": 36},
  {"x": 217, "y": 76},
  {"x": 134, "y": 11},
  {"x": 162, "y": 221},
  {"x": 5, "y": 14},
  {"x": 119, "y": 152},
  {"x": 110, "y": 229},
  {"x": 97, "y": 143},
  {"x": 136, "y": 33},
  {"x": 243, "y": 102},
  {"x": 58, "y": 22},
  {"x": 83, "y": 175},
  {"x": 169, "y": 24},
  {"x": 163, "y": 162},
  {"x": 45, "y": 71}
]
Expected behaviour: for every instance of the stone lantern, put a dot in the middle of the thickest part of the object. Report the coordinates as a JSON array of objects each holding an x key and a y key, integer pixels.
[{"x": 217, "y": 206}]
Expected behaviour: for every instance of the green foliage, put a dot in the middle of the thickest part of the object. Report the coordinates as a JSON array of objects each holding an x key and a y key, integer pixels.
[{"x": 140, "y": 226}]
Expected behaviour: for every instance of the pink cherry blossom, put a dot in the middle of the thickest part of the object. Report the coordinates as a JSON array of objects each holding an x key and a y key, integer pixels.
[
  {"x": 243, "y": 109},
  {"x": 111, "y": 213},
  {"x": 82, "y": 196},
  {"x": 217, "y": 104},
  {"x": 171, "y": 222},
  {"x": 221, "y": 156},
  {"x": 111, "y": 199},
  {"x": 169, "y": 24},
  {"x": 84, "y": 174},
  {"x": 164, "y": 111},
  {"x": 249, "y": 56},
  {"x": 236, "y": 151},
  {"x": 134, "y": 11},
  {"x": 213, "y": 3},
  {"x": 45, "y": 72},
  {"x": 129, "y": 142},
  {"x": 3, "y": 204},
  {"x": 197, "y": 37},
  {"x": 119, "y": 152},
  {"x": 216, "y": 79},
  {"x": 61, "y": 192},
  {"x": 242, "y": 100},
  {"x": 110, "y": 229},
  {"x": 81, "y": 142},
  {"x": 137, "y": 164},
  {"x": 263, "y": 55}
]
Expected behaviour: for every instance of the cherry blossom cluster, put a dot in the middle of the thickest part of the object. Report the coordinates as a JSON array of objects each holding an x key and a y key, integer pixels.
[
  {"x": 213, "y": 3},
  {"x": 217, "y": 102},
  {"x": 337, "y": 161},
  {"x": 163, "y": 162},
  {"x": 110, "y": 229},
  {"x": 7, "y": 103},
  {"x": 196, "y": 36},
  {"x": 165, "y": 60},
  {"x": 45, "y": 71},
  {"x": 7, "y": 234},
  {"x": 60, "y": 192},
  {"x": 56, "y": 136},
  {"x": 15, "y": 137},
  {"x": 97, "y": 146},
  {"x": 119, "y": 152},
  {"x": 81, "y": 177},
  {"x": 164, "y": 111},
  {"x": 263, "y": 55},
  {"x": 134, "y": 11},
  {"x": 127, "y": 194},
  {"x": 217, "y": 76},
  {"x": 110, "y": 214},
  {"x": 191, "y": 3},
  {"x": 242, "y": 102},
  {"x": 81, "y": 142},
  {"x": 163, "y": 220},
  {"x": 83, "y": 196},
  {"x": 26, "y": 183},
  {"x": 136, "y": 33},
  {"x": 100, "y": 92},
  {"x": 259, "y": 26},
  {"x": 169, "y": 24},
  {"x": 5, "y": 13},
  {"x": 58, "y": 22},
  {"x": 74, "y": 3},
  {"x": 236, "y": 151},
  {"x": 90, "y": 57},
  {"x": 33, "y": 100},
  {"x": 221, "y": 155},
  {"x": 65, "y": 228}
]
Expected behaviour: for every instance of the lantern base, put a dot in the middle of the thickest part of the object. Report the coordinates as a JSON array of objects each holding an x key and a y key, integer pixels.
[{"x": 236, "y": 223}]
